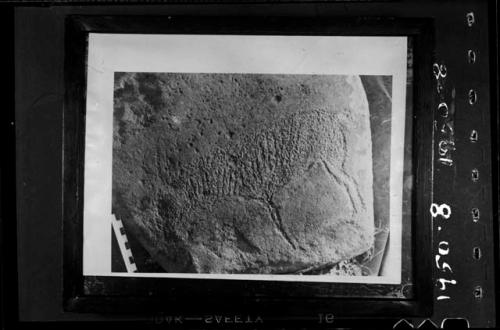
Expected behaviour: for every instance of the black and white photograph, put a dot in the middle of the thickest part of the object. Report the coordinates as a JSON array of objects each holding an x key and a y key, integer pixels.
[
  {"x": 273, "y": 158},
  {"x": 256, "y": 164}
]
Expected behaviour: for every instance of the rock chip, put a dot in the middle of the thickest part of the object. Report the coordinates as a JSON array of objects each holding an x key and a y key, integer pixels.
[{"x": 243, "y": 173}]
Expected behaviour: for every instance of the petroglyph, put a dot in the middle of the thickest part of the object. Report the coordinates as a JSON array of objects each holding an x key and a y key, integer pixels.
[{"x": 243, "y": 173}]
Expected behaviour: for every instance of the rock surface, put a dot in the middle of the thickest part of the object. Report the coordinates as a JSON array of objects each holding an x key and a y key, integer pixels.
[{"x": 243, "y": 173}]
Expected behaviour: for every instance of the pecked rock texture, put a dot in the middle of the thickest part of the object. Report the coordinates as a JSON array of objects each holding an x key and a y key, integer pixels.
[{"x": 243, "y": 173}]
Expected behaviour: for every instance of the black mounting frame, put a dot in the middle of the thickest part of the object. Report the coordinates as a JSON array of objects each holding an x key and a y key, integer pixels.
[{"x": 156, "y": 294}]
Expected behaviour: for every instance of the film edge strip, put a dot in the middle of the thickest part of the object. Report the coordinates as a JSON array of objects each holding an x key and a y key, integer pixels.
[
  {"x": 440, "y": 212},
  {"x": 121, "y": 238}
]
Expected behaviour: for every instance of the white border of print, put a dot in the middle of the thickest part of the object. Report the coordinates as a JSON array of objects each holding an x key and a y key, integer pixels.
[{"x": 109, "y": 53}]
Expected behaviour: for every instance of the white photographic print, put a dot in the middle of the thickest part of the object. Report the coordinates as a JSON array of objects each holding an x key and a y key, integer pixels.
[{"x": 245, "y": 157}]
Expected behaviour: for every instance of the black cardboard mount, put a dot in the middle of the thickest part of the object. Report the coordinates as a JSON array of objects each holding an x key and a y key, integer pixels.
[{"x": 262, "y": 297}]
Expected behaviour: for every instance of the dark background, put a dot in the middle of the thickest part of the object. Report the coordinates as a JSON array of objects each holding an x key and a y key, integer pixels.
[{"x": 34, "y": 212}]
